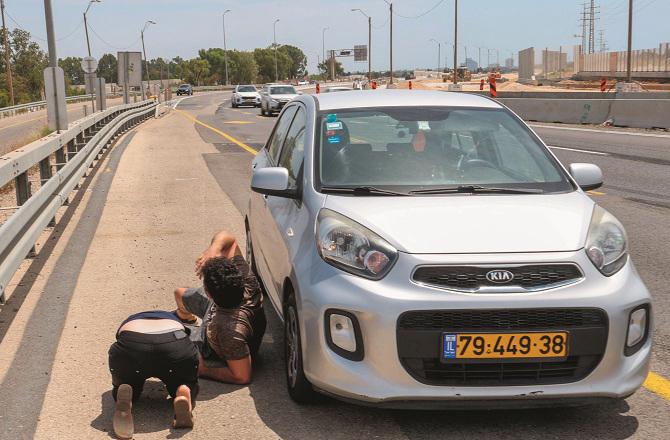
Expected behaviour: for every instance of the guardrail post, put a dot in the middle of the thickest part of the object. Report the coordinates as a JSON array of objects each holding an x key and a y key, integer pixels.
[
  {"x": 22, "y": 195},
  {"x": 45, "y": 175}
]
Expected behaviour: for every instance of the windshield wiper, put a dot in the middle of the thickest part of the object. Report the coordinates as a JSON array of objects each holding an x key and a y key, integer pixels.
[
  {"x": 361, "y": 190},
  {"x": 476, "y": 189}
]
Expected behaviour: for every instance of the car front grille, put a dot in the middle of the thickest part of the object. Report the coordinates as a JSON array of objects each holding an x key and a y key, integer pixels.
[
  {"x": 474, "y": 278},
  {"x": 419, "y": 334}
]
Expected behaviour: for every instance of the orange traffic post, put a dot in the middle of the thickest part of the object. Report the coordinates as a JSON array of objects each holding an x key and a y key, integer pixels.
[
  {"x": 318, "y": 88},
  {"x": 481, "y": 84},
  {"x": 374, "y": 85},
  {"x": 603, "y": 84},
  {"x": 410, "y": 85},
  {"x": 492, "y": 86}
]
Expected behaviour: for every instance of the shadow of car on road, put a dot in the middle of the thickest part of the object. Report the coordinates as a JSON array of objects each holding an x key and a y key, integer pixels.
[{"x": 332, "y": 419}]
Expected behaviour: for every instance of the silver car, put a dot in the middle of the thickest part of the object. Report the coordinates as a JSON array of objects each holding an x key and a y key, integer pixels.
[
  {"x": 427, "y": 249},
  {"x": 245, "y": 95},
  {"x": 275, "y": 96}
]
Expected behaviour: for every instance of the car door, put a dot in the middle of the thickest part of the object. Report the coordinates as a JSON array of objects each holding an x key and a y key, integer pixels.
[
  {"x": 259, "y": 220},
  {"x": 286, "y": 215}
]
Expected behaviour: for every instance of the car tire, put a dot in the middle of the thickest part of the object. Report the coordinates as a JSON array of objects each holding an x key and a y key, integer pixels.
[
  {"x": 251, "y": 259},
  {"x": 299, "y": 388}
]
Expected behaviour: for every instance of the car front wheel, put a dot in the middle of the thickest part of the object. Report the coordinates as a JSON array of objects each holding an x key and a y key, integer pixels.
[{"x": 299, "y": 388}]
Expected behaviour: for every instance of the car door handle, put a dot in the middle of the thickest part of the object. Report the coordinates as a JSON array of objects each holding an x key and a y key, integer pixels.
[{"x": 254, "y": 165}]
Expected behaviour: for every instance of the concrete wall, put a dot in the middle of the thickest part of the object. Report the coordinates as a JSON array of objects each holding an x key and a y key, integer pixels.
[
  {"x": 527, "y": 63},
  {"x": 639, "y": 113}
]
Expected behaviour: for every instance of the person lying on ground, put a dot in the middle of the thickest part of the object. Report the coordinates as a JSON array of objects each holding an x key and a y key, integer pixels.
[
  {"x": 153, "y": 344},
  {"x": 230, "y": 305}
]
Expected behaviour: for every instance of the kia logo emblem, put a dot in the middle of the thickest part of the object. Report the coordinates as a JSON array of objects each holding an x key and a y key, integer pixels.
[{"x": 499, "y": 276}]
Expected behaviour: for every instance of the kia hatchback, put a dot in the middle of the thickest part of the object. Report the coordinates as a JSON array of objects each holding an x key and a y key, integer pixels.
[{"x": 427, "y": 249}]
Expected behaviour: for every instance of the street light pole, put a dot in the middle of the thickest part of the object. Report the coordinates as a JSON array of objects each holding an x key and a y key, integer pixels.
[
  {"x": 439, "y": 53},
  {"x": 88, "y": 46},
  {"x": 369, "y": 43},
  {"x": 390, "y": 41},
  {"x": 455, "y": 41},
  {"x": 323, "y": 43},
  {"x": 146, "y": 62},
  {"x": 275, "y": 46},
  {"x": 629, "y": 74},
  {"x": 8, "y": 66},
  {"x": 225, "y": 49}
]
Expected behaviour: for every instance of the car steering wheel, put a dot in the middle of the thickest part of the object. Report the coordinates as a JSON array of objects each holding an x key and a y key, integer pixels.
[{"x": 472, "y": 163}]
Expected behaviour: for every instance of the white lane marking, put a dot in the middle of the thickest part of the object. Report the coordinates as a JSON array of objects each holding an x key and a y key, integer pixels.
[
  {"x": 181, "y": 179},
  {"x": 597, "y": 153},
  {"x": 592, "y": 130}
]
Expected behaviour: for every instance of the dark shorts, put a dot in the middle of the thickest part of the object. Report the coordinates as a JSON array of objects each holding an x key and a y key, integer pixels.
[
  {"x": 170, "y": 357},
  {"x": 197, "y": 302}
]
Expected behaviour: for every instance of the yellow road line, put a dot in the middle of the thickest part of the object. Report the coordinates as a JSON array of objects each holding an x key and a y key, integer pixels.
[
  {"x": 596, "y": 193},
  {"x": 658, "y": 385},
  {"x": 238, "y": 122},
  {"x": 219, "y": 132}
]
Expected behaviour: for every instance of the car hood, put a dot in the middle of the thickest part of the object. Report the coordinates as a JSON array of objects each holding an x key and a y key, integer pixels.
[
  {"x": 473, "y": 223},
  {"x": 248, "y": 94},
  {"x": 283, "y": 97}
]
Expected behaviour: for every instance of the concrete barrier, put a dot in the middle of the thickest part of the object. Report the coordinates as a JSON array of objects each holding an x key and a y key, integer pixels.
[{"x": 622, "y": 112}]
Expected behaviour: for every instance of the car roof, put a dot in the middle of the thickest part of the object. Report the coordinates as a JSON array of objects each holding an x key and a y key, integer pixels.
[{"x": 401, "y": 98}]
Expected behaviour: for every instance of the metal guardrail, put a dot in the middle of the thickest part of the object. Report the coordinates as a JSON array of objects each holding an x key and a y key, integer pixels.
[
  {"x": 32, "y": 106},
  {"x": 74, "y": 151}
]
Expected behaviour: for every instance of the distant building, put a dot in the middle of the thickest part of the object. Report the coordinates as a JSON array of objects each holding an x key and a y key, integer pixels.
[
  {"x": 509, "y": 63},
  {"x": 471, "y": 64}
]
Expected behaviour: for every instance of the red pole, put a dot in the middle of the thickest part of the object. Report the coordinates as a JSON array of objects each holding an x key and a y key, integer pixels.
[
  {"x": 481, "y": 84},
  {"x": 603, "y": 84},
  {"x": 410, "y": 85},
  {"x": 318, "y": 88}
]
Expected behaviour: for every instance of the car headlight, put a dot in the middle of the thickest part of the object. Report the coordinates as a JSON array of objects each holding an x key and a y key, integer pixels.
[
  {"x": 352, "y": 247},
  {"x": 606, "y": 243}
]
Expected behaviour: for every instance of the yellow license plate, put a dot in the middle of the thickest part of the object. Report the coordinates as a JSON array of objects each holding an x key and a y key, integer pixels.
[{"x": 504, "y": 345}]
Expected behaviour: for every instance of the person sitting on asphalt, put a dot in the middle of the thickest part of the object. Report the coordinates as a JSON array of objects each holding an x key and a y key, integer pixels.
[
  {"x": 230, "y": 305},
  {"x": 153, "y": 344}
]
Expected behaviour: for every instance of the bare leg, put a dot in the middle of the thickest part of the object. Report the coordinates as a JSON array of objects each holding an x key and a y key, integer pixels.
[{"x": 183, "y": 417}]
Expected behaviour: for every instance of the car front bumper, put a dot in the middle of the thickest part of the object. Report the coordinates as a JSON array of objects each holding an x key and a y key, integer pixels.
[{"x": 381, "y": 379}]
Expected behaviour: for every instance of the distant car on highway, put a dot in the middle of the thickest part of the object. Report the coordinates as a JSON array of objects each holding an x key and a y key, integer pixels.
[
  {"x": 337, "y": 89},
  {"x": 427, "y": 249},
  {"x": 246, "y": 95},
  {"x": 184, "y": 89},
  {"x": 275, "y": 96},
  {"x": 303, "y": 83}
]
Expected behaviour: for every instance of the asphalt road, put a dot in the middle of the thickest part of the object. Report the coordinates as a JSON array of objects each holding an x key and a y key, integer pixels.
[
  {"x": 637, "y": 190},
  {"x": 16, "y": 130}
]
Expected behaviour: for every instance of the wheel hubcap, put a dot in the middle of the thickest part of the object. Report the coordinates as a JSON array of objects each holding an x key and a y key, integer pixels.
[{"x": 292, "y": 346}]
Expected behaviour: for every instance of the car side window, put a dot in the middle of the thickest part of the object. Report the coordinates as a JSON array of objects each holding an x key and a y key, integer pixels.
[
  {"x": 277, "y": 140},
  {"x": 294, "y": 148}
]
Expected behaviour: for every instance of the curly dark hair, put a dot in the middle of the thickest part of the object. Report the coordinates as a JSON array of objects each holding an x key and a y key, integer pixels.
[{"x": 223, "y": 282}]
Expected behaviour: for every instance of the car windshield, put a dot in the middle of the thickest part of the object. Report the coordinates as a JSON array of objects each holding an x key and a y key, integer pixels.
[
  {"x": 185, "y": 86},
  {"x": 428, "y": 148},
  {"x": 246, "y": 89},
  {"x": 282, "y": 90}
]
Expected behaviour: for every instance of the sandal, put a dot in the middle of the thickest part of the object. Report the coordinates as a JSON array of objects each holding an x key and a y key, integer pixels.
[
  {"x": 183, "y": 417},
  {"x": 193, "y": 321},
  {"x": 123, "y": 416}
]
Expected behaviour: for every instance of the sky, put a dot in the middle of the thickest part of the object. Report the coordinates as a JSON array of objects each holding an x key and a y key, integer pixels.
[{"x": 185, "y": 26}]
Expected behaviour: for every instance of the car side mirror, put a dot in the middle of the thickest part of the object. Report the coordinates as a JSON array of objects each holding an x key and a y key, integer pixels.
[
  {"x": 587, "y": 175},
  {"x": 272, "y": 181}
]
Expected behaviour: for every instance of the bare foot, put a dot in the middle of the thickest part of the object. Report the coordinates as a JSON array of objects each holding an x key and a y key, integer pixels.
[
  {"x": 123, "y": 416},
  {"x": 183, "y": 417}
]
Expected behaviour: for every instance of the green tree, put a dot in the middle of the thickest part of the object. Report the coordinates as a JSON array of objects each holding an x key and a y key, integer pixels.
[
  {"x": 244, "y": 68},
  {"x": 196, "y": 70},
  {"x": 265, "y": 60},
  {"x": 325, "y": 67},
  {"x": 217, "y": 66},
  {"x": 74, "y": 74},
  {"x": 297, "y": 65},
  {"x": 108, "y": 68},
  {"x": 28, "y": 64}
]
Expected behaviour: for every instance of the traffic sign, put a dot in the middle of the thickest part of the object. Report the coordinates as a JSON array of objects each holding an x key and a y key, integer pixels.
[
  {"x": 89, "y": 64},
  {"x": 361, "y": 52}
]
